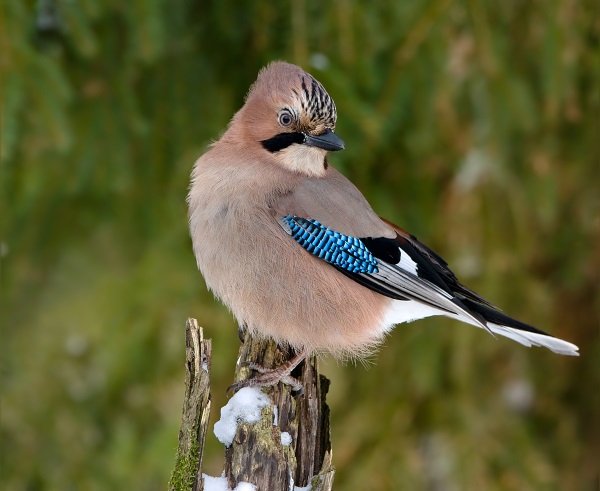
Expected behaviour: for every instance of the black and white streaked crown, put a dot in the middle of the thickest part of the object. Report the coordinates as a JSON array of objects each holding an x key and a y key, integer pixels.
[{"x": 316, "y": 103}]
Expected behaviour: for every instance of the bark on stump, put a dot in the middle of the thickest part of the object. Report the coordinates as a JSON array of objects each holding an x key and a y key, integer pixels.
[
  {"x": 257, "y": 454},
  {"x": 187, "y": 475}
]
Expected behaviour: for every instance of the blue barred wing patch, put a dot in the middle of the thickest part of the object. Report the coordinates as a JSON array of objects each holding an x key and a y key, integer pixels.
[{"x": 343, "y": 251}]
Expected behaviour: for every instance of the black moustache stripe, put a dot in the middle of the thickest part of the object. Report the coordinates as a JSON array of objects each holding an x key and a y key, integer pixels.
[{"x": 282, "y": 140}]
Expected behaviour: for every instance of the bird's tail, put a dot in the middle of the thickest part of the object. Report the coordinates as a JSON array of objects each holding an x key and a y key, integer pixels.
[{"x": 502, "y": 324}]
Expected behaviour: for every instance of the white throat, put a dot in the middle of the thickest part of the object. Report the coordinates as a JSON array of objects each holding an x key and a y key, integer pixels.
[{"x": 304, "y": 159}]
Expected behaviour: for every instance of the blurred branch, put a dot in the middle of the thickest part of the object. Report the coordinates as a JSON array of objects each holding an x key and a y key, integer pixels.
[
  {"x": 258, "y": 453},
  {"x": 187, "y": 474}
]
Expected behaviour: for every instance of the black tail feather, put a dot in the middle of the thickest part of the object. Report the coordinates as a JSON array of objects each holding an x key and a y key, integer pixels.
[{"x": 497, "y": 317}]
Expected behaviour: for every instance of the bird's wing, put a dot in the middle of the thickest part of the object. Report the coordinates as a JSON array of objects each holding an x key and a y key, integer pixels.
[
  {"x": 431, "y": 262},
  {"x": 380, "y": 264},
  {"x": 405, "y": 268},
  {"x": 332, "y": 220}
]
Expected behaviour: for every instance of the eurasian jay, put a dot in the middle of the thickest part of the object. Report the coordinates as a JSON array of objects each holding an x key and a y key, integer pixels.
[{"x": 294, "y": 249}]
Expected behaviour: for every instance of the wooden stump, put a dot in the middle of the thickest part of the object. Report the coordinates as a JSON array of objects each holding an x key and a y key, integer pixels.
[
  {"x": 290, "y": 445},
  {"x": 257, "y": 454}
]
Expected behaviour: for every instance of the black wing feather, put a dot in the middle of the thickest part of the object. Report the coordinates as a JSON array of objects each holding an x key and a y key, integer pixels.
[
  {"x": 496, "y": 317},
  {"x": 368, "y": 282},
  {"x": 432, "y": 266},
  {"x": 441, "y": 268}
]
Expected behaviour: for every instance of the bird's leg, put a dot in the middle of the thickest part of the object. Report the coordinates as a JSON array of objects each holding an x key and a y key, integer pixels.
[{"x": 271, "y": 376}]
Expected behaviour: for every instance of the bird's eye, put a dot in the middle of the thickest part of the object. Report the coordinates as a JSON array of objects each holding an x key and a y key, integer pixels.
[{"x": 285, "y": 119}]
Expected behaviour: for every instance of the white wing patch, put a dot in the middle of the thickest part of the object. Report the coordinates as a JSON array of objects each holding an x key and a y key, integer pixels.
[{"x": 407, "y": 264}]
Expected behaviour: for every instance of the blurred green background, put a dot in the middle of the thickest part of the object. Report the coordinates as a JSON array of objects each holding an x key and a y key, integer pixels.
[{"x": 473, "y": 124}]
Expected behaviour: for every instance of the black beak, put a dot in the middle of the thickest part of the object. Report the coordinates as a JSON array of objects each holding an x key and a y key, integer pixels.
[{"x": 327, "y": 141}]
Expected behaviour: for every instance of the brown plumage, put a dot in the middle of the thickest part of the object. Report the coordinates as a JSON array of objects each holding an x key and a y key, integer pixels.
[
  {"x": 270, "y": 283},
  {"x": 271, "y": 164}
]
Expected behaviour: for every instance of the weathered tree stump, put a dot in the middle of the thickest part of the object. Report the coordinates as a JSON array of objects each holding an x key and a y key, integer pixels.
[
  {"x": 257, "y": 454},
  {"x": 290, "y": 445}
]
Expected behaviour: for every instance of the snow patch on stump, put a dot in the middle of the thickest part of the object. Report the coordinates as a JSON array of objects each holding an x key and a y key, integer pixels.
[
  {"x": 244, "y": 406},
  {"x": 220, "y": 484},
  {"x": 286, "y": 438}
]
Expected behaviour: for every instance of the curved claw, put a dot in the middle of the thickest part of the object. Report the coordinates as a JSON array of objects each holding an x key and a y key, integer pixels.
[
  {"x": 254, "y": 366},
  {"x": 268, "y": 377}
]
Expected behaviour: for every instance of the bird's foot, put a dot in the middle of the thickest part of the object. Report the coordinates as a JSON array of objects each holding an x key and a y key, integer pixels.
[{"x": 267, "y": 377}]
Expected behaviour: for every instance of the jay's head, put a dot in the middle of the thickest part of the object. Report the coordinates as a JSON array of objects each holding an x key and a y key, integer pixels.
[{"x": 291, "y": 117}]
